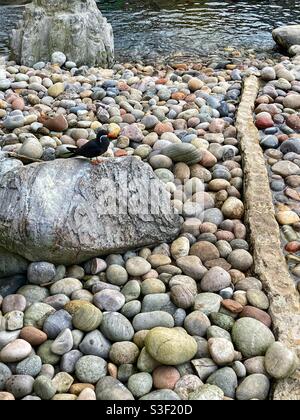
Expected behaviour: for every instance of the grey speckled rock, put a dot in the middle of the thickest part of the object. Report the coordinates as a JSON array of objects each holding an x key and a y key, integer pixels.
[
  {"x": 161, "y": 395},
  {"x": 20, "y": 385},
  {"x": 41, "y": 273},
  {"x": 140, "y": 384},
  {"x": 5, "y": 373},
  {"x": 95, "y": 344},
  {"x": 44, "y": 388},
  {"x": 287, "y": 36},
  {"x": 123, "y": 353},
  {"x": 254, "y": 386},
  {"x": 34, "y": 294},
  {"x": 125, "y": 372},
  {"x": 30, "y": 366},
  {"x": 89, "y": 369},
  {"x": 49, "y": 26},
  {"x": 207, "y": 393},
  {"x": 110, "y": 389},
  {"x": 62, "y": 235},
  {"x": 186, "y": 385},
  {"x": 226, "y": 380}
]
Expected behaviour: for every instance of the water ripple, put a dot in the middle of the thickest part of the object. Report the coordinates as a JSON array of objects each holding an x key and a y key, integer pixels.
[{"x": 146, "y": 29}]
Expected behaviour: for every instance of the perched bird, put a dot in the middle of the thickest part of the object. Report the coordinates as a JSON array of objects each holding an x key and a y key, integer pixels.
[{"x": 94, "y": 148}]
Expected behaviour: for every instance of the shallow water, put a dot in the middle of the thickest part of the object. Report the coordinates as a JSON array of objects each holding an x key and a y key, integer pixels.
[{"x": 178, "y": 29}]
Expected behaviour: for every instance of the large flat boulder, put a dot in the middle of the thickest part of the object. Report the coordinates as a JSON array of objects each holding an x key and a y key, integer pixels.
[
  {"x": 68, "y": 211},
  {"x": 75, "y": 27},
  {"x": 286, "y": 36},
  {"x": 13, "y": 2}
]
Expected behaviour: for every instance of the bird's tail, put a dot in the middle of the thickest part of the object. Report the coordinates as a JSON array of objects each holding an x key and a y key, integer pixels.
[{"x": 73, "y": 152}]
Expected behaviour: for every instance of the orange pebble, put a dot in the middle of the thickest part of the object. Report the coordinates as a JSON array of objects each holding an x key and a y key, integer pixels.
[{"x": 120, "y": 153}]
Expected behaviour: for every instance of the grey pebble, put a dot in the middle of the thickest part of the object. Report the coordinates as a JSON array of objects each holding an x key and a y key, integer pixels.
[
  {"x": 69, "y": 360},
  {"x": 20, "y": 385},
  {"x": 149, "y": 320},
  {"x": 116, "y": 327},
  {"x": 89, "y": 369},
  {"x": 31, "y": 366},
  {"x": 95, "y": 344},
  {"x": 56, "y": 323}
]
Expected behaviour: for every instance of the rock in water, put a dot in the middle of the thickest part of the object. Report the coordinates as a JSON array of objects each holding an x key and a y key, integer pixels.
[
  {"x": 68, "y": 211},
  {"x": 287, "y": 36},
  {"x": 75, "y": 27}
]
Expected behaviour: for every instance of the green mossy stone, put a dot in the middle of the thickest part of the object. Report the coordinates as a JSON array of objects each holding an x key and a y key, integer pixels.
[
  {"x": 223, "y": 321},
  {"x": 183, "y": 152},
  {"x": 170, "y": 346},
  {"x": 47, "y": 356},
  {"x": 251, "y": 337}
]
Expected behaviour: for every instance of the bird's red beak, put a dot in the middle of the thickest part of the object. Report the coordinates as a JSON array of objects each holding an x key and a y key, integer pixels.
[{"x": 111, "y": 136}]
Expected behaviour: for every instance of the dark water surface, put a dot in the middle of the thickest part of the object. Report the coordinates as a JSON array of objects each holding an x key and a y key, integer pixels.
[{"x": 169, "y": 29}]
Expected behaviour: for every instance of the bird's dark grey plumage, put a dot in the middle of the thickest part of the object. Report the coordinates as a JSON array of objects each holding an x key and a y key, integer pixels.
[{"x": 93, "y": 148}]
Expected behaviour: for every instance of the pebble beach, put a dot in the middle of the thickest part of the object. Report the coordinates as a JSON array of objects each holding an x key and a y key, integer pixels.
[
  {"x": 277, "y": 119},
  {"x": 186, "y": 320}
]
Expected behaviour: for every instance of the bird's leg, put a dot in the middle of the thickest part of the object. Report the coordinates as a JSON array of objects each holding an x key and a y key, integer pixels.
[{"x": 97, "y": 161}]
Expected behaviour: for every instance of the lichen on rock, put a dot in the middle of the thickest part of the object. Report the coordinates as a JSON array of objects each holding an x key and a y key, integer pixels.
[
  {"x": 75, "y": 27},
  {"x": 87, "y": 212}
]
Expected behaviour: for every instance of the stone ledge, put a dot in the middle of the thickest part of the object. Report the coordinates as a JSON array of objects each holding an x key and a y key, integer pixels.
[{"x": 269, "y": 262}]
